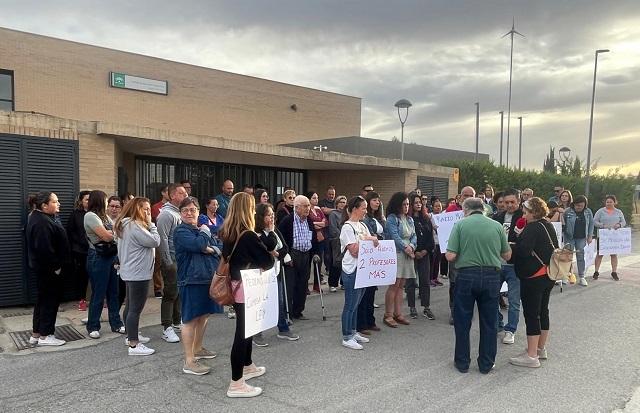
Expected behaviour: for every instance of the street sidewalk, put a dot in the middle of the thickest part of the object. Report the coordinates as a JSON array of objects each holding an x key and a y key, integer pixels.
[{"x": 14, "y": 319}]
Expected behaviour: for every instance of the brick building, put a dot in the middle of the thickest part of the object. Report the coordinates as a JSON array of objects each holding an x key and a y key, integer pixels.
[{"x": 75, "y": 116}]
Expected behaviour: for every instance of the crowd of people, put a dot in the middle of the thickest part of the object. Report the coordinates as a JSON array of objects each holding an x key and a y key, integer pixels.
[{"x": 122, "y": 245}]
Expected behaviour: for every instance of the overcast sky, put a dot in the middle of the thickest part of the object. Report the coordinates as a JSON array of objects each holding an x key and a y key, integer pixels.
[{"x": 441, "y": 55}]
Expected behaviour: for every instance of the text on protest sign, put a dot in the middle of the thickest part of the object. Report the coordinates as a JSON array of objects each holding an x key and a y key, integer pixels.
[
  {"x": 558, "y": 227},
  {"x": 614, "y": 241},
  {"x": 590, "y": 254},
  {"x": 376, "y": 265},
  {"x": 445, "y": 222},
  {"x": 260, "y": 300}
]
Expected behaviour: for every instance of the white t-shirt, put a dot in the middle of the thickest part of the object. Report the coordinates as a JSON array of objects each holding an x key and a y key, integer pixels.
[{"x": 351, "y": 233}]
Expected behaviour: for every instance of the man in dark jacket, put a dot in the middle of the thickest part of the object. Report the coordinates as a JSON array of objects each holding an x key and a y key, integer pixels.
[
  {"x": 298, "y": 232},
  {"x": 508, "y": 219}
]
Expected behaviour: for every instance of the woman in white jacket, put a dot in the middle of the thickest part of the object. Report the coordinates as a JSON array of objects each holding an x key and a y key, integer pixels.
[{"x": 138, "y": 238}]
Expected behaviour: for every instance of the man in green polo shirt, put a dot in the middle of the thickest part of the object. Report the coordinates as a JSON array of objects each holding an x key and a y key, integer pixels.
[{"x": 474, "y": 248}]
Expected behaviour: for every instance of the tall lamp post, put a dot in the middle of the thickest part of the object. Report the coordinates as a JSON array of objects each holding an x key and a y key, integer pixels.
[
  {"x": 402, "y": 104},
  {"x": 520, "y": 145},
  {"x": 593, "y": 98}
]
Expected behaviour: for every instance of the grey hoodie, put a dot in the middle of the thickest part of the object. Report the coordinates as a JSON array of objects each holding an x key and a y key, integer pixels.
[
  {"x": 136, "y": 251},
  {"x": 168, "y": 220}
]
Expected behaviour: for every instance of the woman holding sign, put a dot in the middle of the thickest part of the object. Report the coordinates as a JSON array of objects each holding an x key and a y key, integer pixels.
[
  {"x": 196, "y": 260},
  {"x": 400, "y": 229},
  {"x": 350, "y": 235},
  {"x": 609, "y": 217},
  {"x": 239, "y": 237}
]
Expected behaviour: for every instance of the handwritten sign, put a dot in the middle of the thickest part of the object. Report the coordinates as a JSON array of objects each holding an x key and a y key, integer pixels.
[
  {"x": 589, "y": 254},
  {"x": 260, "y": 300},
  {"x": 376, "y": 265},
  {"x": 558, "y": 227},
  {"x": 445, "y": 222},
  {"x": 614, "y": 241}
]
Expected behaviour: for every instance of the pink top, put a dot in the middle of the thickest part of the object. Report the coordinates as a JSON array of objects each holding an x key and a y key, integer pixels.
[{"x": 238, "y": 295}]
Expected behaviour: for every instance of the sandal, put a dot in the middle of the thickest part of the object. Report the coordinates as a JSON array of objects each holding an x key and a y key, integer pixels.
[
  {"x": 401, "y": 320},
  {"x": 388, "y": 320}
]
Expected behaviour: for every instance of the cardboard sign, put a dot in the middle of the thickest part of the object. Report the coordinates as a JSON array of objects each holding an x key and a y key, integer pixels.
[
  {"x": 260, "y": 300},
  {"x": 589, "y": 254},
  {"x": 558, "y": 227},
  {"x": 614, "y": 241},
  {"x": 376, "y": 265},
  {"x": 445, "y": 222}
]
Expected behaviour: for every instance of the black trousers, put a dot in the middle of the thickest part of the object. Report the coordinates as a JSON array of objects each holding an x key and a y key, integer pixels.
[
  {"x": 423, "y": 270},
  {"x": 298, "y": 281},
  {"x": 241, "y": 348},
  {"x": 534, "y": 294},
  {"x": 45, "y": 311},
  {"x": 137, "y": 292},
  {"x": 80, "y": 276},
  {"x": 366, "y": 319}
]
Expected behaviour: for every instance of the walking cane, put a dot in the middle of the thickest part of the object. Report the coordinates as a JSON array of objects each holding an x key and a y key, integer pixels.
[
  {"x": 286, "y": 299},
  {"x": 316, "y": 263}
]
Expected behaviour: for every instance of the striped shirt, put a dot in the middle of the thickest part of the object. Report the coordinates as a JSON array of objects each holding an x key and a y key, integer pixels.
[{"x": 301, "y": 234}]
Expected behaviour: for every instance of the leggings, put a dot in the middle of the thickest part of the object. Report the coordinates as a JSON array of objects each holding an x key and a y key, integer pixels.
[
  {"x": 241, "y": 349},
  {"x": 534, "y": 294},
  {"x": 137, "y": 292}
]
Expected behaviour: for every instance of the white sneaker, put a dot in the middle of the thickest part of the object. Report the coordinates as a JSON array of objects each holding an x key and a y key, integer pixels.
[
  {"x": 583, "y": 282},
  {"x": 352, "y": 344},
  {"x": 141, "y": 350},
  {"x": 141, "y": 339},
  {"x": 50, "y": 341},
  {"x": 94, "y": 334},
  {"x": 170, "y": 336},
  {"x": 84, "y": 320},
  {"x": 360, "y": 339},
  {"x": 333, "y": 289},
  {"x": 33, "y": 340},
  {"x": 509, "y": 337}
]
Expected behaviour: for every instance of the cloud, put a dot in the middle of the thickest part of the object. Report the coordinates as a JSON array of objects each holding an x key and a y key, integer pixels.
[{"x": 442, "y": 55}]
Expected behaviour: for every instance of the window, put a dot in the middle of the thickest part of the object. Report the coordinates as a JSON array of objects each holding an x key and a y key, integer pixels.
[{"x": 6, "y": 90}]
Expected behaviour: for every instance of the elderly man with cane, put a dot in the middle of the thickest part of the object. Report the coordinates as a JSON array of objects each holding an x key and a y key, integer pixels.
[
  {"x": 475, "y": 247},
  {"x": 299, "y": 234}
]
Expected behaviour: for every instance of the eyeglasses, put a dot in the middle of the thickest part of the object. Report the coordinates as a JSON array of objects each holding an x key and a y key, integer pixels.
[
  {"x": 189, "y": 210},
  {"x": 115, "y": 206},
  {"x": 290, "y": 197}
]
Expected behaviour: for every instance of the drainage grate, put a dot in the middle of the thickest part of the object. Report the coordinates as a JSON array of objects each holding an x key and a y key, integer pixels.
[
  {"x": 65, "y": 332},
  {"x": 17, "y": 313}
]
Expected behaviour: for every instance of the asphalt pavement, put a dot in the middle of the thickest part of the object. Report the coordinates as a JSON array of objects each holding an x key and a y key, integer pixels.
[{"x": 593, "y": 366}]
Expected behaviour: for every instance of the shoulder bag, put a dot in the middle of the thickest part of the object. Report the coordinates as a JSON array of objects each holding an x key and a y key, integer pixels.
[
  {"x": 560, "y": 263},
  {"x": 338, "y": 253},
  {"x": 220, "y": 289}
]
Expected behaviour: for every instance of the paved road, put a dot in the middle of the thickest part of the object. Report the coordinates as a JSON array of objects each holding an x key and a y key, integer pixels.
[{"x": 594, "y": 366}]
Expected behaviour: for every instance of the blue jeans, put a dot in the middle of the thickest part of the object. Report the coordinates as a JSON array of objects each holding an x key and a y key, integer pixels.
[
  {"x": 578, "y": 246},
  {"x": 352, "y": 298},
  {"x": 104, "y": 283},
  {"x": 479, "y": 285},
  {"x": 282, "y": 309},
  {"x": 513, "y": 313}
]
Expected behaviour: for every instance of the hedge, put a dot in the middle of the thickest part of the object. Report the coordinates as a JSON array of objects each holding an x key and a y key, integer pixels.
[{"x": 479, "y": 174}]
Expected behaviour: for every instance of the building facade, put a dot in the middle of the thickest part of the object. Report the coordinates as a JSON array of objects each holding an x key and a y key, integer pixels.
[{"x": 75, "y": 116}]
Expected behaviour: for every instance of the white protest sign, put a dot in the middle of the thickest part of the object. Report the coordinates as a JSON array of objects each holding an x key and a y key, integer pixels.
[
  {"x": 445, "y": 222},
  {"x": 260, "y": 300},
  {"x": 589, "y": 254},
  {"x": 558, "y": 227},
  {"x": 376, "y": 265},
  {"x": 614, "y": 241}
]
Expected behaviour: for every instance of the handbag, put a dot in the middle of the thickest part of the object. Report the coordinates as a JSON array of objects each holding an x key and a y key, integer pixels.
[
  {"x": 559, "y": 266},
  {"x": 106, "y": 249},
  {"x": 221, "y": 289},
  {"x": 336, "y": 253}
]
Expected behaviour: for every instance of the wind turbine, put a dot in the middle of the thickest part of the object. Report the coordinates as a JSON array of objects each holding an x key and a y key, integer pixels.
[{"x": 510, "y": 32}]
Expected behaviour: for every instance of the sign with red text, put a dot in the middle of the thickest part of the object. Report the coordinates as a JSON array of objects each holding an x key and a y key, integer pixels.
[
  {"x": 260, "y": 300},
  {"x": 376, "y": 265},
  {"x": 445, "y": 223}
]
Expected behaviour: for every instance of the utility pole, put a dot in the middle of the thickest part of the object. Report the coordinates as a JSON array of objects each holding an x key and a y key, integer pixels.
[
  {"x": 475, "y": 159},
  {"x": 501, "y": 134}
]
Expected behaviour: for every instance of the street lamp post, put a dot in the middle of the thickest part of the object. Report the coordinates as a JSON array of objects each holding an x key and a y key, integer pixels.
[
  {"x": 593, "y": 98},
  {"x": 501, "y": 133},
  {"x": 402, "y": 104},
  {"x": 520, "y": 145},
  {"x": 475, "y": 158}
]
